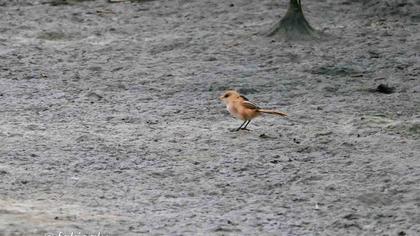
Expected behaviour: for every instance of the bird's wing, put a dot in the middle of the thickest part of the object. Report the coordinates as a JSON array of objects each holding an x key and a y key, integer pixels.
[
  {"x": 242, "y": 96},
  {"x": 250, "y": 105}
]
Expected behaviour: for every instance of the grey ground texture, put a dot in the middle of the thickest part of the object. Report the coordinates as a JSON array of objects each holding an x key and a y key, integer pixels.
[{"x": 110, "y": 121}]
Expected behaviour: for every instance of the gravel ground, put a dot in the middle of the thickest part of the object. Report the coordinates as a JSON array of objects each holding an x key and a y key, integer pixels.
[{"x": 110, "y": 122}]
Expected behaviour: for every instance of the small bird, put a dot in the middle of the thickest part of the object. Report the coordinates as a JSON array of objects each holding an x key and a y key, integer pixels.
[{"x": 241, "y": 108}]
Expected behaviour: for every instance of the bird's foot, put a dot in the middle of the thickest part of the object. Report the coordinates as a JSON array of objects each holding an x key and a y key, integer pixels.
[{"x": 236, "y": 130}]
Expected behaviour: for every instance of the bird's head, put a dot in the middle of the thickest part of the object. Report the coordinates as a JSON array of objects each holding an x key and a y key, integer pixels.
[{"x": 229, "y": 95}]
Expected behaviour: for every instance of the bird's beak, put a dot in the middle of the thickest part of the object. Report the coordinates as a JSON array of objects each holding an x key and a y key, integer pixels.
[{"x": 221, "y": 97}]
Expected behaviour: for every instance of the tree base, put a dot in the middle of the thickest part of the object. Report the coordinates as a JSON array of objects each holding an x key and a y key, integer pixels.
[{"x": 294, "y": 26}]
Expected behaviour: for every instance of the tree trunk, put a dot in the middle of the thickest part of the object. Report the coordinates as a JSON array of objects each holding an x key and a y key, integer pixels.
[{"x": 294, "y": 26}]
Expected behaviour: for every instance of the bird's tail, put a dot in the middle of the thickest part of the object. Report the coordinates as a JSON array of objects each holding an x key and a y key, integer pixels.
[{"x": 273, "y": 112}]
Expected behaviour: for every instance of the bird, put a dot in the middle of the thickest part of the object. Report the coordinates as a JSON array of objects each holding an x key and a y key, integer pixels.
[{"x": 240, "y": 107}]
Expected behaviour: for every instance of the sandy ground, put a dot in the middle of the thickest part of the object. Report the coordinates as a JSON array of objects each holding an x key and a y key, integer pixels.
[{"x": 110, "y": 120}]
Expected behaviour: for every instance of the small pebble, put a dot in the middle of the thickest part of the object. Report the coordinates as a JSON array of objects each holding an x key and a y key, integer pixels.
[{"x": 383, "y": 88}]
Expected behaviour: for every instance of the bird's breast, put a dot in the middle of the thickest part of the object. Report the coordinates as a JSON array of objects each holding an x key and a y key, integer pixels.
[{"x": 233, "y": 110}]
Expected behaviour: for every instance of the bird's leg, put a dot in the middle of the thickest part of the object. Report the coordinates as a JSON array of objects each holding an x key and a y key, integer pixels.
[
  {"x": 240, "y": 127},
  {"x": 249, "y": 121}
]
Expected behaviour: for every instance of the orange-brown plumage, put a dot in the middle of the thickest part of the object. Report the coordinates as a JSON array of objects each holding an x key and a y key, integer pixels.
[{"x": 241, "y": 108}]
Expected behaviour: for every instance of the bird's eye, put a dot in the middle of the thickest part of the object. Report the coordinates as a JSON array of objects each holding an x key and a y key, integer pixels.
[{"x": 226, "y": 95}]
